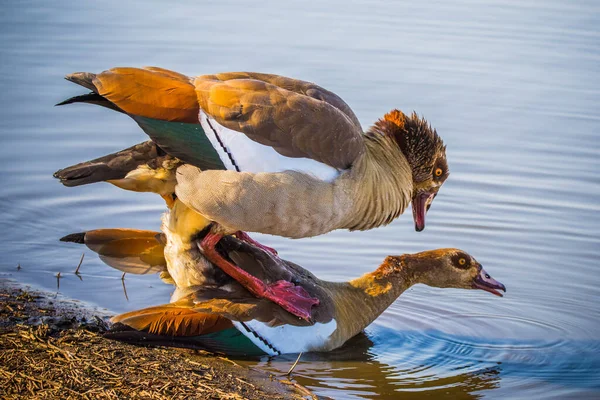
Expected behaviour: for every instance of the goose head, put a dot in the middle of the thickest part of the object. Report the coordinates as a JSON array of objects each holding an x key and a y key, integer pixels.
[
  {"x": 449, "y": 268},
  {"x": 426, "y": 154}
]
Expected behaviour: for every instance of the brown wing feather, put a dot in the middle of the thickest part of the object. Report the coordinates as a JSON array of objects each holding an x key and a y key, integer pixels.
[
  {"x": 168, "y": 73},
  {"x": 172, "y": 320},
  {"x": 293, "y": 85},
  {"x": 292, "y": 122},
  {"x": 150, "y": 92},
  {"x": 240, "y": 305}
]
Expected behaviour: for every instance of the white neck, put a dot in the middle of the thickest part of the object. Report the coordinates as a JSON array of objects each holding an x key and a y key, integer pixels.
[{"x": 381, "y": 183}]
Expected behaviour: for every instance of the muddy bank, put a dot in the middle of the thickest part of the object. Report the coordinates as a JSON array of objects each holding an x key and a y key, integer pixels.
[{"x": 53, "y": 348}]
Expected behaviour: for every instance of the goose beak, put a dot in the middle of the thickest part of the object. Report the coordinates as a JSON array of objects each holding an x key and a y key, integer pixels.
[
  {"x": 420, "y": 205},
  {"x": 484, "y": 281}
]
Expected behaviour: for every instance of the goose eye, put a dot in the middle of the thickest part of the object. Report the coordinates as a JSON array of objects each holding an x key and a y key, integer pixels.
[
  {"x": 438, "y": 172},
  {"x": 462, "y": 261}
]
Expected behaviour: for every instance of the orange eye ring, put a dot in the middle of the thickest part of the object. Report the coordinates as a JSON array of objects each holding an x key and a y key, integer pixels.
[
  {"x": 438, "y": 172},
  {"x": 462, "y": 261}
]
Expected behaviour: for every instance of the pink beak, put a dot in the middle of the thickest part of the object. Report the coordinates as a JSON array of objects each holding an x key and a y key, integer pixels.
[{"x": 420, "y": 205}]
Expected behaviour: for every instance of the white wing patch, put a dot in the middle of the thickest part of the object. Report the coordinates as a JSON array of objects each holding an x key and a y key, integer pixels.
[
  {"x": 286, "y": 339},
  {"x": 240, "y": 153}
]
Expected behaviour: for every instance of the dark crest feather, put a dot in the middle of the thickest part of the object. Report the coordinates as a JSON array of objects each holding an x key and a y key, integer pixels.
[{"x": 418, "y": 141}]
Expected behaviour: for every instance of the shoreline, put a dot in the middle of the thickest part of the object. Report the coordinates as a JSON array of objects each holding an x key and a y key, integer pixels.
[{"x": 53, "y": 347}]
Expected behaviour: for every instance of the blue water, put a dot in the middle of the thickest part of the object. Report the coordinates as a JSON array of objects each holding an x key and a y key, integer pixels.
[{"x": 512, "y": 88}]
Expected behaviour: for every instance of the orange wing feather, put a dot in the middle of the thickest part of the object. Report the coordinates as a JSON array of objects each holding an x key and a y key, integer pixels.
[
  {"x": 173, "y": 321},
  {"x": 150, "y": 92}
]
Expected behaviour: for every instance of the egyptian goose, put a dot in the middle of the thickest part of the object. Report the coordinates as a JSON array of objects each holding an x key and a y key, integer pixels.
[
  {"x": 223, "y": 316},
  {"x": 270, "y": 154}
]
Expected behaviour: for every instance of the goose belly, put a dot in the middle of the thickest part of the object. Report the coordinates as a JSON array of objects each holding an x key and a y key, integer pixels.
[
  {"x": 242, "y": 154},
  {"x": 185, "y": 263},
  {"x": 286, "y": 339},
  {"x": 185, "y": 269}
]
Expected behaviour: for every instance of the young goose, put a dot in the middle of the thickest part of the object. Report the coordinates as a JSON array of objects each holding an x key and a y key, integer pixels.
[
  {"x": 227, "y": 318},
  {"x": 276, "y": 155}
]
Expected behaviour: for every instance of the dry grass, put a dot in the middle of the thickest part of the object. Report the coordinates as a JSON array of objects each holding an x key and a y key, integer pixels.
[{"x": 67, "y": 359}]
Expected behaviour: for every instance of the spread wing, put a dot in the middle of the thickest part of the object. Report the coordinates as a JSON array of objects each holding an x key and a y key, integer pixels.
[{"x": 294, "y": 118}]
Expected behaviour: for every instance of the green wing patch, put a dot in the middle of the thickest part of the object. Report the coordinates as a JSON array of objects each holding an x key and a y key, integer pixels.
[
  {"x": 231, "y": 342},
  {"x": 188, "y": 142}
]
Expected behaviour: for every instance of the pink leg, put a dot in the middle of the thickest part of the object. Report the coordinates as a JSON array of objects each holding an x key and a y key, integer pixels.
[
  {"x": 244, "y": 237},
  {"x": 292, "y": 298}
]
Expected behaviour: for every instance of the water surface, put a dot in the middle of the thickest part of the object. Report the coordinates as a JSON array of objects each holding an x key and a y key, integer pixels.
[{"x": 513, "y": 89}]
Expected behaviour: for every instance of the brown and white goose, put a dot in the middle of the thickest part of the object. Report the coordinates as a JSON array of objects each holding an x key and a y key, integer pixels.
[
  {"x": 223, "y": 316},
  {"x": 275, "y": 155}
]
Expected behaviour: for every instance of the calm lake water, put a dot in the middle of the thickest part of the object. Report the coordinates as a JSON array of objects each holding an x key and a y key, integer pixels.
[{"x": 512, "y": 87}]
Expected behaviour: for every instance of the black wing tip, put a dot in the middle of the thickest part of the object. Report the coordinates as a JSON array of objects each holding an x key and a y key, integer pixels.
[
  {"x": 124, "y": 333},
  {"x": 78, "y": 237},
  {"x": 83, "y": 98}
]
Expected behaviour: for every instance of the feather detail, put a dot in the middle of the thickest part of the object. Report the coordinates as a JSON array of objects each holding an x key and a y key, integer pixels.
[
  {"x": 240, "y": 153},
  {"x": 91, "y": 98},
  {"x": 290, "y": 204},
  {"x": 380, "y": 196},
  {"x": 293, "y": 123},
  {"x": 152, "y": 93},
  {"x": 187, "y": 142},
  {"x": 171, "y": 320},
  {"x": 128, "y": 250}
]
